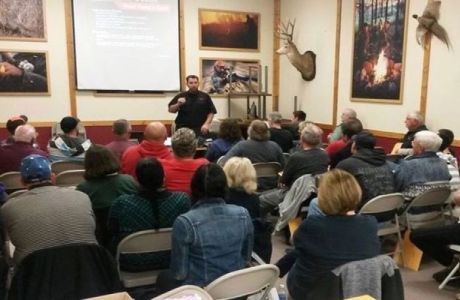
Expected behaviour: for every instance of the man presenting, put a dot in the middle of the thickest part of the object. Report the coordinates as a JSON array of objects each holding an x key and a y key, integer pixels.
[{"x": 195, "y": 108}]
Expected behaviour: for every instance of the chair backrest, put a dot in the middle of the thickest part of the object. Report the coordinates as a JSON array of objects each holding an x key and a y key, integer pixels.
[
  {"x": 183, "y": 292},
  {"x": 60, "y": 166},
  {"x": 244, "y": 282},
  {"x": 267, "y": 169},
  {"x": 383, "y": 203},
  {"x": 286, "y": 156},
  {"x": 434, "y": 196},
  {"x": 16, "y": 193},
  {"x": 146, "y": 241},
  {"x": 12, "y": 181},
  {"x": 70, "y": 178}
]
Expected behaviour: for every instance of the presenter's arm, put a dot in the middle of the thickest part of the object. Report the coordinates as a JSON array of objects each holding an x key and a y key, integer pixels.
[
  {"x": 173, "y": 108},
  {"x": 207, "y": 123}
]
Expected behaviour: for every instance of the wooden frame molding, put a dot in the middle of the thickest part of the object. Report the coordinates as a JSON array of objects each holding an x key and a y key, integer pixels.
[
  {"x": 276, "y": 58},
  {"x": 70, "y": 57},
  {"x": 335, "y": 97},
  {"x": 425, "y": 73}
]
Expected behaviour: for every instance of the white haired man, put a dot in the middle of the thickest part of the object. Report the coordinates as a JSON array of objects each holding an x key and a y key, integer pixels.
[
  {"x": 347, "y": 114},
  {"x": 414, "y": 122},
  {"x": 22, "y": 146}
]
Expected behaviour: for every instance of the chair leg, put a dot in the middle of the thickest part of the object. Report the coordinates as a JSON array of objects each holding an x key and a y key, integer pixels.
[{"x": 448, "y": 277}]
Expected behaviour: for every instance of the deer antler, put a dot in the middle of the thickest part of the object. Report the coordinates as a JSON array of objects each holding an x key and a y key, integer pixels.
[{"x": 286, "y": 31}]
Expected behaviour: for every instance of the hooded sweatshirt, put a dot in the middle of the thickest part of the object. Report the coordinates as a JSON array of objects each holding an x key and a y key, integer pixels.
[
  {"x": 145, "y": 149},
  {"x": 373, "y": 172}
]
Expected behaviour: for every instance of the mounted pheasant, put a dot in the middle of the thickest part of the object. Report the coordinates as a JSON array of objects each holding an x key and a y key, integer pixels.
[{"x": 304, "y": 63}]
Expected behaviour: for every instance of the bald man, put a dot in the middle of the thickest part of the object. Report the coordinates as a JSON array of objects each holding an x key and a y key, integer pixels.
[{"x": 153, "y": 145}]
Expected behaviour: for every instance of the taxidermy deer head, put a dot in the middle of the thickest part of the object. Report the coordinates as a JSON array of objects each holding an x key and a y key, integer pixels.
[
  {"x": 428, "y": 22},
  {"x": 304, "y": 63}
]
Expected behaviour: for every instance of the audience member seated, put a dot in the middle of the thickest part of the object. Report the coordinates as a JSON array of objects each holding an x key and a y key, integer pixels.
[
  {"x": 121, "y": 131},
  {"x": 415, "y": 122},
  {"x": 347, "y": 114},
  {"x": 324, "y": 242},
  {"x": 310, "y": 160},
  {"x": 282, "y": 137},
  {"x": 11, "y": 125},
  {"x": 435, "y": 241},
  {"x": 444, "y": 152},
  {"x": 370, "y": 167},
  {"x": 349, "y": 129},
  {"x": 46, "y": 216},
  {"x": 229, "y": 135},
  {"x": 68, "y": 146},
  {"x": 298, "y": 116},
  {"x": 212, "y": 239},
  {"x": 155, "y": 134},
  {"x": 103, "y": 184},
  {"x": 12, "y": 154},
  {"x": 179, "y": 170},
  {"x": 242, "y": 183},
  {"x": 152, "y": 207},
  {"x": 424, "y": 166},
  {"x": 258, "y": 148}
]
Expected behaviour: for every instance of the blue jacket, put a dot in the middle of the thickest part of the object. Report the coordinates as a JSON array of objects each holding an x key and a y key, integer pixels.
[{"x": 210, "y": 240}]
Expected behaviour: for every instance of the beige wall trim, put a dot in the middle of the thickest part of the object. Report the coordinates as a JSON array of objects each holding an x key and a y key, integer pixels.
[
  {"x": 70, "y": 56},
  {"x": 182, "y": 43},
  {"x": 425, "y": 74},
  {"x": 276, "y": 57},
  {"x": 335, "y": 96}
]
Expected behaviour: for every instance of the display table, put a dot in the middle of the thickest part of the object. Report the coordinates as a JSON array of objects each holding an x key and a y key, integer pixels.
[{"x": 261, "y": 102}]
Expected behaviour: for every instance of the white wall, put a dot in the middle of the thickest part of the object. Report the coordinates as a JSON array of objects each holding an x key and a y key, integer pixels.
[
  {"x": 91, "y": 107},
  {"x": 316, "y": 21}
]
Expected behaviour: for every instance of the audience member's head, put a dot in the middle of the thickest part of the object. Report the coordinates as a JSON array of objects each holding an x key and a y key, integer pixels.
[
  {"x": 13, "y": 123},
  {"x": 299, "y": 116},
  {"x": 258, "y": 131},
  {"x": 241, "y": 174},
  {"x": 69, "y": 125},
  {"x": 447, "y": 137},
  {"x": 209, "y": 181},
  {"x": 184, "y": 143},
  {"x": 303, "y": 124},
  {"x": 363, "y": 140},
  {"x": 348, "y": 114},
  {"x": 274, "y": 118},
  {"x": 121, "y": 128},
  {"x": 414, "y": 119},
  {"x": 230, "y": 130},
  {"x": 25, "y": 134},
  {"x": 311, "y": 136},
  {"x": 350, "y": 128},
  {"x": 338, "y": 192},
  {"x": 35, "y": 169},
  {"x": 150, "y": 174},
  {"x": 426, "y": 141},
  {"x": 156, "y": 132},
  {"x": 25, "y": 118},
  {"x": 100, "y": 162}
]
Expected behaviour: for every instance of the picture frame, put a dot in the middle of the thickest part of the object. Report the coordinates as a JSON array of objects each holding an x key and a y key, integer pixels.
[
  {"x": 378, "y": 57},
  {"x": 24, "y": 72},
  {"x": 23, "y": 20},
  {"x": 229, "y": 30},
  {"x": 220, "y": 76}
]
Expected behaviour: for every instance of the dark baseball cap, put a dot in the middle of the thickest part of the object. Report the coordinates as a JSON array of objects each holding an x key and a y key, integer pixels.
[
  {"x": 35, "y": 168},
  {"x": 364, "y": 140},
  {"x": 69, "y": 123}
]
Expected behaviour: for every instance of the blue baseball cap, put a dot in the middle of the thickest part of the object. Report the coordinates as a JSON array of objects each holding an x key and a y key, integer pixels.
[{"x": 35, "y": 168}]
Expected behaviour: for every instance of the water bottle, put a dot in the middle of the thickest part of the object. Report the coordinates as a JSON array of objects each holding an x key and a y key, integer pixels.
[{"x": 282, "y": 293}]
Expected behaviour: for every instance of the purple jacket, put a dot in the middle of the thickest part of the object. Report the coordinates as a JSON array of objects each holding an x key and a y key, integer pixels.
[{"x": 11, "y": 155}]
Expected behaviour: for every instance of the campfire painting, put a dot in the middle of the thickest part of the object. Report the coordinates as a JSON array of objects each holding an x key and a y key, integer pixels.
[{"x": 378, "y": 55}]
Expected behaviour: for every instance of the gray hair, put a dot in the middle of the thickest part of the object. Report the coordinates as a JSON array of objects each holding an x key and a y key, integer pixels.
[
  {"x": 312, "y": 135},
  {"x": 416, "y": 115},
  {"x": 428, "y": 140},
  {"x": 25, "y": 133},
  {"x": 350, "y": 112},
  {"x": 121, "y": 126},
  {"x": 275, "y": 117},
  {"x": 258, "y": 131},
  {"x": 184, "y": 142}
]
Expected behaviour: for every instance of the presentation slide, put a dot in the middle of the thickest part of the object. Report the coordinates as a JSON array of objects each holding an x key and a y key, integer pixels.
[{"x": 127, "y": 45}]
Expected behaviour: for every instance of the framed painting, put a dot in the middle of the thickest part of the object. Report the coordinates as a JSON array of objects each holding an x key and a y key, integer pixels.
[
  {"x": 229, "y": 30},
  {"x": 379, "y": 50},
  {"x": 22, "y": 20},
  {"x": 24, "y": 72},
  {"x": 222, "y": 76}
]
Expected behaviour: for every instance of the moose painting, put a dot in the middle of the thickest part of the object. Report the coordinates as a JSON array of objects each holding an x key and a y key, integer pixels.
[
  {"x": 378, "y": 56},
  {"x": 22, "y": 20}
]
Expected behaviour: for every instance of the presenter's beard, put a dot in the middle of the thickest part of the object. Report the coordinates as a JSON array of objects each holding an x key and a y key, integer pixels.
[{"x": 193, "y": 91}]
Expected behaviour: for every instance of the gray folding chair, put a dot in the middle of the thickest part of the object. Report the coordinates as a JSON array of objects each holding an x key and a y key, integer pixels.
[
  {"x": 142, "y": 242},
  {"x": 12, "y": 181},
  {"x": 70, "y": 178},
  {"x": 183, "y": 292},
  {"x": 60, "y": 166},
  {"x": 456, "y": 249},
  {"x": 244, "y": 282},
  {"x": 267, "y": 169}
]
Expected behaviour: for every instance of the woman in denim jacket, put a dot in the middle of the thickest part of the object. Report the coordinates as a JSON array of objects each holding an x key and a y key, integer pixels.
[{"x": 213, "y": 238}]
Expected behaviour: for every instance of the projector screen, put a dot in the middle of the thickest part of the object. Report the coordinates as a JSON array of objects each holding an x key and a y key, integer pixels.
[{"x": 127, "y": 45}]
